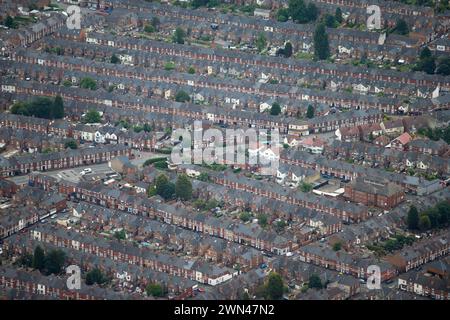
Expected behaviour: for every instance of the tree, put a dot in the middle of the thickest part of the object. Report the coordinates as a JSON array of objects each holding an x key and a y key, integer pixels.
[
  {"x": 424, "y": 222},
  {"x": 427, "y": 65},
  {"x": 274, "y": 288},
  {"x": 25, "y": 260},
  {"x": 302, "y": 13},
  {"x": 338, "y": 15},
  {"x": 330, "y": 21},
  {"x": 179, "y": 36},
  {"x": 443, "y": 66},
  {"x": 58, "y": 50},
  {"x": 138, "y": 128},
  {"x": 154, "y": 290},
  {"x": 275, "y": 109},
  {"x": 92, "y": 116},
  {"x": 199, "y": 3},
  {"x": 39, "y": 259},
  {"x": 245, "y": 216},
  {"x": 191, "y": 70},
  {"x": 312, "y": 12},
  {"x": 244, "y": 296},
  {"x": 413, "y": 218},
  {"x": 10, "y": 23},
  {"x": 58, "y": 108},
  {"x": 262, "y": 220},
  {"x": 40, "y": 107},
  {"x": 321, "y": 45},
  {"x": 280, "y": 225},
  {"x": 54, "y": 261},
  {"x": 149, "y": 28},
  {"x": 115, "y": 59},
  {"x": 287, "y": 50},
  {"x": 20, "y": 108},
  {"x": 283, "y": 15},
  {"x": 155, "y": 22},
  {"x": 444, "y": 212},
  {"x": 442, "y": 6},
  {"x": 315, "y": 282},
  {"x": 261, "y": 42},
  {"x": 310, "y": 112},
  {"x": 401, "y": 27},
  {"x": 160, "y": 183},
  {"x": 182, "y": 96},
  {"x": 337, "y": 246},
  {"x": 147, "y": 127},
  {"x": 203, "y": 177},
  {"x": 95, "y": 276},
  {"x": 88, "y": 83},
  {"x": 183, "y": 187},
  {"x": 72, "y": 144},
  {"x": 168, "y": 191},
  {"x": 425, "y": 53},
  {"x": 120, "y": 235}
]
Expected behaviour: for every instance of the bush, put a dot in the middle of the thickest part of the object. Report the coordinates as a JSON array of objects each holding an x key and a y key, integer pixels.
[
  {"x": 92, "y": 116},
  {"x": 72, "y": 144},
  {"x": 149, "y": 28},
  {"x": 161, "y": 165},
  {"x": 154, "y": 290},
  {"x": 95, "y": 276},
  {"x": 88, "y": 83},
  {"x": 120, "y": 235},
  {"x": 283, "y": 15},
  {"x": 306, "y": 187},
  {"x": 169, "y": 66},
  {"x": 245, "y": 216},
  {"x": 154, "y": 160},
  {"x": 280, "y": 225},
  {"x": 203, "y": 177},
  {"x": 315, "y": 282},
  {"x": 182, "y": 96}
]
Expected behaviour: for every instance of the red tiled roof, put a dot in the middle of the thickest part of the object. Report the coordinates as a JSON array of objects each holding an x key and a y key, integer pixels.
[{"x": 404, "y": 138}]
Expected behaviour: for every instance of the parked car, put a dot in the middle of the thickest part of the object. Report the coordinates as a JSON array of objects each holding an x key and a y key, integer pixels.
[{"x": 86, "y": 171}]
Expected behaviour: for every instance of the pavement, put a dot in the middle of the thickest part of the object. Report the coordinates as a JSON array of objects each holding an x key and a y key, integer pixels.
[
  {"x": 142, "y": 156},
  {"x": 74, "y": 174},
  {"x": 71, "y": 175}
]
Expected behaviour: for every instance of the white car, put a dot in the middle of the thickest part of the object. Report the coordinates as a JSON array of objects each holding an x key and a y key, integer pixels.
[{"x": 86, "y": 171}]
